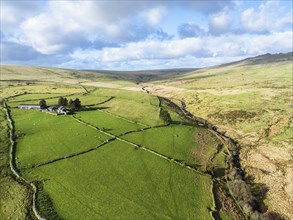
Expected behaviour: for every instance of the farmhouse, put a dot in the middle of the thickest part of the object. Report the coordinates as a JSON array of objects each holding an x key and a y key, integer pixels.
[
  {"x": 52, "y": 109},
  {"x": 38, "y": 107},
  {"x": 62, "y": 110}
]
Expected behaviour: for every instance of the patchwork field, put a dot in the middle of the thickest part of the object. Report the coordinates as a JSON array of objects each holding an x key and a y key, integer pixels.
[
  {"x": 115, "y": 158},
  {"x": 43, "y": 137},
  {"x": 192, "y": 145},
  {"x": 119, "y": 182}
]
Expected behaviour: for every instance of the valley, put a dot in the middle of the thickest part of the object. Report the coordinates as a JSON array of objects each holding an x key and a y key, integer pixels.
[{"x": 118, "y": 157}]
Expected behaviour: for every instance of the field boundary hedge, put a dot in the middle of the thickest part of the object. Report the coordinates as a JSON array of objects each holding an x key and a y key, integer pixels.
[
  {"x": 142, "y": 129},
  {"x": 105, "y": 101},
  {"x": 37, "y": 93},
  {"x": 178, "y": 162},
  {"x": 137, "y": 146},
  {"x": 69, "y": 156}
]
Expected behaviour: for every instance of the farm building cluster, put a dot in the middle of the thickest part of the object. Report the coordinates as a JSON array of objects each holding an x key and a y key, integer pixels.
[{"x": 58, "y": 110}]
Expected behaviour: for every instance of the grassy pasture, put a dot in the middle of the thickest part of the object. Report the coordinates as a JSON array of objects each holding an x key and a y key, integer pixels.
[
  {"x": 193, "y": 145},
  {"x": 119, "y": 182},
  {"x": 123, "y": 182},
  {"x": 107, "y": 122},
  {"x": 15, "y": 88},
  {"x": 14, "y": 197},
  {"x": 135, "y": 106},
  {"x": 87, "y": 100},
  {"x": 127, "y": 95},
  {"x": 37, "y": 97},
  {"x": 43, "y": 137},
  {"x": 110, "y": 83},
  {"x": 115, "y": 181},
  {"x": 12, "y": 72},
  {"x": 141, "y": 112}
]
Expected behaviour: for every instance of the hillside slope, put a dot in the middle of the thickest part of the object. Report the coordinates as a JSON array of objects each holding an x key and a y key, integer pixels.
[{"x": 251, "y": 100}]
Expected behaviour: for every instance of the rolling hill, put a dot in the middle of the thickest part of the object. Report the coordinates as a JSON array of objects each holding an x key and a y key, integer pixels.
[{"x": 248, "y": 100}]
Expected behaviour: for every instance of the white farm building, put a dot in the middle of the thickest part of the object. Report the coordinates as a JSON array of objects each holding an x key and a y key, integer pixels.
[{"x": 38, "y": 107}]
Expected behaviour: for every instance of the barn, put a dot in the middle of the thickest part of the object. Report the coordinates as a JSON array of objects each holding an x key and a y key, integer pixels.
[{"x": 38, "y": 107}]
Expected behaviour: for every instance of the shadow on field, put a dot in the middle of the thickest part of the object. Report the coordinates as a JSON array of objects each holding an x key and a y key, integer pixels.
[
  {"x": 182, "y": 123},
  {"x": 219, "y": 172},
  {"x": 87, "y": 108}
]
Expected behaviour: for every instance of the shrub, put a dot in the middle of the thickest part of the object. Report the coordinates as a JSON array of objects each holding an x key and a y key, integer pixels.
[{"x": 165, "y": 116}]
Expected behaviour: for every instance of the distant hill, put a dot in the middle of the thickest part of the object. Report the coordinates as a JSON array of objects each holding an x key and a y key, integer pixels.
[
  {"x": 269, "y": 58},
  {"x": 35, "y": 73},
  {"x": 263, "y": 59}
]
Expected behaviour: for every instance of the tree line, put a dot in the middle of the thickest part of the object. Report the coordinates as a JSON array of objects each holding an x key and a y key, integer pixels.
[{"x": 72, "y": 105}]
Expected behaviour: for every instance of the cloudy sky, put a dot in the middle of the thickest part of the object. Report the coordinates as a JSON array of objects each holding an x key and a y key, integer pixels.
[{"x": 131, "y": 35}]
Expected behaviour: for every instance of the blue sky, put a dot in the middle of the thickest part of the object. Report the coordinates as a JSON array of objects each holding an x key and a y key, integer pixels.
[{"x": 133, "y": 35}]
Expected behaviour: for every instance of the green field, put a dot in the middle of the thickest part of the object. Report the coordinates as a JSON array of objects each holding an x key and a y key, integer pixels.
[
  {"x": 13, "y": 88},
  {"x": 119, "y": 182},
  {"x": 43, "y": 137},
  {"x": 187, "y": 143},
  {"x": 116, "y": 158},
  {"x": 82, "y": 172},
  {"x": 15, "y": 198},
  {"x": 107, "y": 122}
]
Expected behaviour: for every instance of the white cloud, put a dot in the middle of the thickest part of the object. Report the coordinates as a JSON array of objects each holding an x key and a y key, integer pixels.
[
  {"x": 155, "y": 15},
  {"x": 142, "y": 50},
  {"x": 13, "y": 12},
  {"x": 39, "y": 34},
  {"x": 216, "y": 48},
  {"x": 269, "y": 17},
  {"x": 143, "y": 64},
  {"x": 67, "y": 24},
  {"x": 130, "y": 34},
  {"x": 220, "y": 23}
]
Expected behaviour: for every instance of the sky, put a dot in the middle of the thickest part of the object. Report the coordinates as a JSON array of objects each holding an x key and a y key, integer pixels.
[{"x": 136, "y": 35}]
